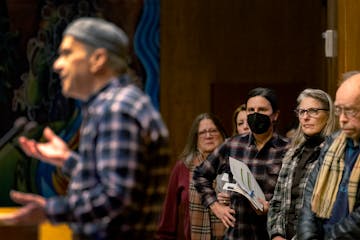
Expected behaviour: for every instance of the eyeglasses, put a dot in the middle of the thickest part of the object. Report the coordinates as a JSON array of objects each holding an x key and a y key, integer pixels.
[
  {"x": 211, "y": 132},
  {"x": 311, "y": 112},
  {"x": 347, "y": 111}
]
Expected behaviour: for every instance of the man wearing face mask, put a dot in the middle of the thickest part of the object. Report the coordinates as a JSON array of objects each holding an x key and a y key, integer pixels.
[{"x": 262, "y": 150}]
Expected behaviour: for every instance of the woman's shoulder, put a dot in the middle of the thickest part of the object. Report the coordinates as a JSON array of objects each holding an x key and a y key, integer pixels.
[
  {"x": 180, "y": 166},
  {"x": 179, "y": 173}
]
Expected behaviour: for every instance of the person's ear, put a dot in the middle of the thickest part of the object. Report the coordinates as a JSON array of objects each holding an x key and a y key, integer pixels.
[
  {"x": 98, "y": 59},
  {"x": 276, "y": 116}
]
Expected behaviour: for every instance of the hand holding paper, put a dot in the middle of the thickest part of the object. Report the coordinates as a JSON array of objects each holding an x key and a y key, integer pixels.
[{"x": 246, "y": 183}]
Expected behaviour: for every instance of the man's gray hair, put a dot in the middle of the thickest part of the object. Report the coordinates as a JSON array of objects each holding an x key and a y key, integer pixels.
[{"x": 99, "y": 33}]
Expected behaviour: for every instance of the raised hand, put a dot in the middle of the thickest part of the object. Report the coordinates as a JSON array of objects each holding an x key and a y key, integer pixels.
[
  {"x": 32, "y": 212},
  {"x": 54, "y": 150}
]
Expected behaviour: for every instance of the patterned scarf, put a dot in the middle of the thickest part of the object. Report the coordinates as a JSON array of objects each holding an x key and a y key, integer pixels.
[
  {"x": 204, "y": 224},
  {"x": 329, "y": 177}
]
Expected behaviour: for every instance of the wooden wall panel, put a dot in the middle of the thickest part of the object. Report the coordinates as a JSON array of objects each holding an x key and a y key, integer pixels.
[
  {"x": 208, "y": 43},
  {"x": 225, "y": 98},
  {"x": 348, "y": 35}
]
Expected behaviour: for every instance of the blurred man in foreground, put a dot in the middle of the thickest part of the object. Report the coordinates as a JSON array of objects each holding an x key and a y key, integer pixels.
[{"x": 116, "y": 178}]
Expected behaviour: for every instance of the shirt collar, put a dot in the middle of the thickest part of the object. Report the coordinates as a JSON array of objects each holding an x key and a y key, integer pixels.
[
  {"x": 274, "y": 140},
  {"x": 113, "y": 82},
  {"x": 351, "y": 144}
]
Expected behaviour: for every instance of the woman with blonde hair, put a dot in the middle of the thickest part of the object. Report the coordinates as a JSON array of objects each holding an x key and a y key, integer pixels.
[{"x": 240, "y": 125}]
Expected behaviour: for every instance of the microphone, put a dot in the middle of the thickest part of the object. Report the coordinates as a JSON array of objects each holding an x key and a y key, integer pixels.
[
  {"x": 30, "y": 126},
  {"x": 18, "y": 126}
]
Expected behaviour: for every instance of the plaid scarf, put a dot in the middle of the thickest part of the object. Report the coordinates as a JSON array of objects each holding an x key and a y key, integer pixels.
[
  {"x": 329, "y": 177},
  {"x": 204, "y": 224}
]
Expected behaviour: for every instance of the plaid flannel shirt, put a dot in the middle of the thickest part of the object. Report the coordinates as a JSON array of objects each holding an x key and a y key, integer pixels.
[
  {"x": 265, "y": 166},
  {"x": 281, "y": 201},
  {"x": 117, "y": 178}
]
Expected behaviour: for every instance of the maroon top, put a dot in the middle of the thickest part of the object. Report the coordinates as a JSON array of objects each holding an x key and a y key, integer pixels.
[{"x": 175, "y": 218}]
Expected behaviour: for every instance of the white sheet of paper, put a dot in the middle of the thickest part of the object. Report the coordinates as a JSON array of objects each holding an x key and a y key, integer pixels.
[{"x": 246, "y": 180}]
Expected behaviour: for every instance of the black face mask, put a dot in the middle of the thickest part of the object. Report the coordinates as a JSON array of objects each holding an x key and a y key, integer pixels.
[{"x": 258, "y": 123}]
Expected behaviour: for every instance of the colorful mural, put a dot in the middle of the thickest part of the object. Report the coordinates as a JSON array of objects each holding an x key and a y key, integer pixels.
[{"x": 31, "y": 89}]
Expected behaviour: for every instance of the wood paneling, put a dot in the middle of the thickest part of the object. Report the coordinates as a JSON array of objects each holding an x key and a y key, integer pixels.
[
  {"x": 223, "y": 104},
  {"x": 207, "y": 42},
  {"x": 348, "y": 35}
]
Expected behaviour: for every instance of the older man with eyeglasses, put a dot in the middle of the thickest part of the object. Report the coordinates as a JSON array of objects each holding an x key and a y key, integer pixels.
[{"x": 332, "y": 197}]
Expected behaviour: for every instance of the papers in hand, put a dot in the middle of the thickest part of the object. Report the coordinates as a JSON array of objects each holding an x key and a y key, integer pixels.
[{"x": 246, "y": 183}]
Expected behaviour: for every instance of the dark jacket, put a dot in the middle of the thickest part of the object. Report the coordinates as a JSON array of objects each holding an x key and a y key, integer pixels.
[{"x": 311, "y": 227}]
